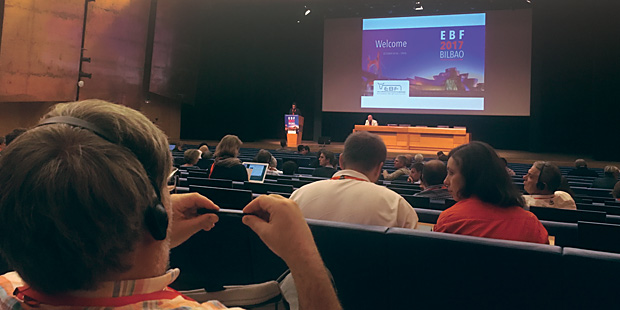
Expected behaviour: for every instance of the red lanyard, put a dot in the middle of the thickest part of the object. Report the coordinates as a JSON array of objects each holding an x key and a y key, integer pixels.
[
  {"x": 34, "y": 298},
  {"x": 342, "y": 177}
]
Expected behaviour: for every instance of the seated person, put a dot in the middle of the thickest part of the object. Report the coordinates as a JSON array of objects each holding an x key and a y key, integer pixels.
[
  {"x": 351, "y": 195},
  {"x": 302, "y": 149},
  {"x": 581, "y": 169},
  {"x": 433, "y": 174},
  {"x": 289, "y": 168},
  {"x": 510, "y": 171},
  {"x": 370, "y": 121},
  {"x": 488, "y": 203},
  {"x": 206, "y": 153},
  {"x": 226, "y": 165},
  {"x": 283, "y": 147},
  {"x": 191, "y": 157},
  {"x": 418, "y": 158},
  {"x": 400, "y": 164},
  {"x": 441, "y": 156},
  {"x": 103, "y": 242},
  {"x": 616, "y": 191},
  {"x": 541, "y": 183},
  {"x": 326, "y": 163},
  {"x": 609, "y": 179},
  {"x": 265, "y": 157},
  {"x": 415, "y": 173}
]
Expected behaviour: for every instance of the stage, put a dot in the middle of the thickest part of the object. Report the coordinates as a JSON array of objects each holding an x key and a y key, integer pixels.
[{"x": 513, "y": 156}]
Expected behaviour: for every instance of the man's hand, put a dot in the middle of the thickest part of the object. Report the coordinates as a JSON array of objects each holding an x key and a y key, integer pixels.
[
  {"x": 185, "y": 219},
  {"x": 281, "y": 225}
]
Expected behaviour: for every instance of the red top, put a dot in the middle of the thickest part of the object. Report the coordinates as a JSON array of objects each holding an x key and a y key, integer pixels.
[{"x": 474, "y": 217}]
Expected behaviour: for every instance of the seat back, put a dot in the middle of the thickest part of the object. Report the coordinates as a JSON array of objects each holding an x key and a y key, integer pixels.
[
  {"x": 567, "y": 216},
  {"x": 599, "y": 236},
  {"x": 226, "y": 198},
  {"x": 209, "y": 182},
  {"x": 263, "y": 188}
]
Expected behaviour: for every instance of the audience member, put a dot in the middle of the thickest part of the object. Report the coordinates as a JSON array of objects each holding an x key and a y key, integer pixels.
[
  {"x": 13, "y": 135},
  {"x": 416, "y": 173},
  {"x": 302, "y": 149},
  {"x": 441, "y": 156},
  {"x": 488, "y": 203},
  {"x": 206, "y": 158},
  {"x": 400, "y": 164},
  {"x": 541, "y": 183},
  {"x": 307, "y": 151},
  {"x": 616, "y": 191},
  {"x": 191, "y": 157},
  {"x": 265, "y": 157},
  {"x": 289, "y": 168},
  {"x": 433, "y": 174},
  {"x": 327, "y": 160},
  {"x": 510, "y": 171},
  {"x": 226, "y": 165},
  {"x": 283, "y": 147},
  {"x": 105, "y": 240},
  {"x": 206, "y": 153},
  {"x": 178, "y": 146},
  {"x": 351, "y": 195},
  {"x": 418, "y": 158},
  {"x": 370, "y": 121},
  {"x": 581, "y": 170},
  {"x": 609, "y": 179}
]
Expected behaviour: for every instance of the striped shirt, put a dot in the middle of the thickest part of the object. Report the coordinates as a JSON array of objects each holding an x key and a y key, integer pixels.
[{"x": 108, "y": 291}]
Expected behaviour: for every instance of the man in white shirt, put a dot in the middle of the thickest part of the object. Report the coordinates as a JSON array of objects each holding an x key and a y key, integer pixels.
[
  {"x": 370, "y": 121},
  {"x": 351, "y": 195},
  {"x": 541, "y": 182}
]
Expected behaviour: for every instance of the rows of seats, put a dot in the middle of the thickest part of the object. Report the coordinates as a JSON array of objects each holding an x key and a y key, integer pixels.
[{"x": 393, "y": 268}]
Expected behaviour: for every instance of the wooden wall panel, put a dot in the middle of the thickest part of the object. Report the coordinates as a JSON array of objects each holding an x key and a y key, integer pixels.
[
  {"x": 21, "y": 114},
  {"x": 40, "y": 50},
  {"x": 176, "y": 49},
  {"x": 116, "y": 34}
]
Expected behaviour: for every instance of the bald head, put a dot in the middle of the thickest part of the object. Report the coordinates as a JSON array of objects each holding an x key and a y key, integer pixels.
[{"x": 433, "y": 173}]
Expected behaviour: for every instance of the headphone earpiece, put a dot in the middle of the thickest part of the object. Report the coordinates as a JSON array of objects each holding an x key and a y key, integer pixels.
[
  {"x": 155, "y": 215},
  {"x": 539, "y": 184}
]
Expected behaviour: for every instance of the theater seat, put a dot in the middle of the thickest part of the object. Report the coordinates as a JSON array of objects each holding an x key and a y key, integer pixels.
[
  {"x": 591, "y": 279},
  {"x": 430, "y": 270},
  {"x": 226, "y": 198}
]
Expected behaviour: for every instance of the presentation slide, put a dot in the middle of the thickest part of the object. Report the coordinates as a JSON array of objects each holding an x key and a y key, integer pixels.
[
  {"x": 462, "y": 64},
  {"x": 424, "y": 62}
]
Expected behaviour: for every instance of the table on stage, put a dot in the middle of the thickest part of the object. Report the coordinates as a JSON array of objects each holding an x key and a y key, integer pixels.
[{"x": 419, "y": 138}]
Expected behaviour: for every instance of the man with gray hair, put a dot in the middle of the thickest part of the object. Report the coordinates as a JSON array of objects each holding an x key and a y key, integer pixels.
[
  {"x": 609, "y": 179},
  {"x": 351, "y": 195},
  {"x": 581, "y": 169},
  {"x": 542, "y": 182}
]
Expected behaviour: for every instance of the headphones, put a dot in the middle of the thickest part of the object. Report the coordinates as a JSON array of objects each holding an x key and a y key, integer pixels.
[
  {"x": 539, "y": 184},
  {"x": 155, "y": 215}
]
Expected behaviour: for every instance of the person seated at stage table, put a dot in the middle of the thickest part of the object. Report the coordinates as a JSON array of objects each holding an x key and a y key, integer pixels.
[
  {"x": 351, "y": 195},
  {"x": 488, "y": 203},
  {"x": 294, "y": 110},
  {"x": 370, "y": 121},
  {"x": 433, "y": 174},
  {"x": 226, "y": 165},
  {"x": 326, "y": 168},
  {"x": 609, "y": 179},
  {"x": 401, "y": 164},
  {"x": 100, "y": 223},
  {"x": 191, "y": 157},
  {"x": 581, "y": 169},
  {"x": 415, "y": 173},
  {"x": 541, "y": 183}
]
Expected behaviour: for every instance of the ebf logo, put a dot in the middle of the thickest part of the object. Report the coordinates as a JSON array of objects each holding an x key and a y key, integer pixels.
[{"x": 391, "y": 88}]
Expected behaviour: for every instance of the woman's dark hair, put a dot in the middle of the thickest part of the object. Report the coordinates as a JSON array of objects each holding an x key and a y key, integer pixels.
[{"x": 485, "y": 176}]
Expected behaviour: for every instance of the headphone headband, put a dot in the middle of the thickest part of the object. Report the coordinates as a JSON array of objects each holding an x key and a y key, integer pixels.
[{"x": 77, "y": 122}]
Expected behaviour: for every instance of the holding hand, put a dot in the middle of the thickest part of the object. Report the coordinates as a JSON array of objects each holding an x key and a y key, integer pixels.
[{"x": 185, "y": 219}]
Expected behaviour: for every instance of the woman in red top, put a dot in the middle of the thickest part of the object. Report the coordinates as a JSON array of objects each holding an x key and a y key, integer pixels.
[{"x": 488, "y": 203}]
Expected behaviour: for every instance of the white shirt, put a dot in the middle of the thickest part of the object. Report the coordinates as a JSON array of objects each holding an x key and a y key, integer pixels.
[
  {"x": 559, "y": 200},
  {"x": 355, "y": 201},
  {"x": 374, "y": 123}
]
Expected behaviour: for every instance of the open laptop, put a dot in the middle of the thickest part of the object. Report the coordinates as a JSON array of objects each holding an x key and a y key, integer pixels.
[{"x": 256, "y": 171}]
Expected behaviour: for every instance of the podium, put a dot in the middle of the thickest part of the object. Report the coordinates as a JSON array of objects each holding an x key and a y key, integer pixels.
[{"x": 294, "y": 125}]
